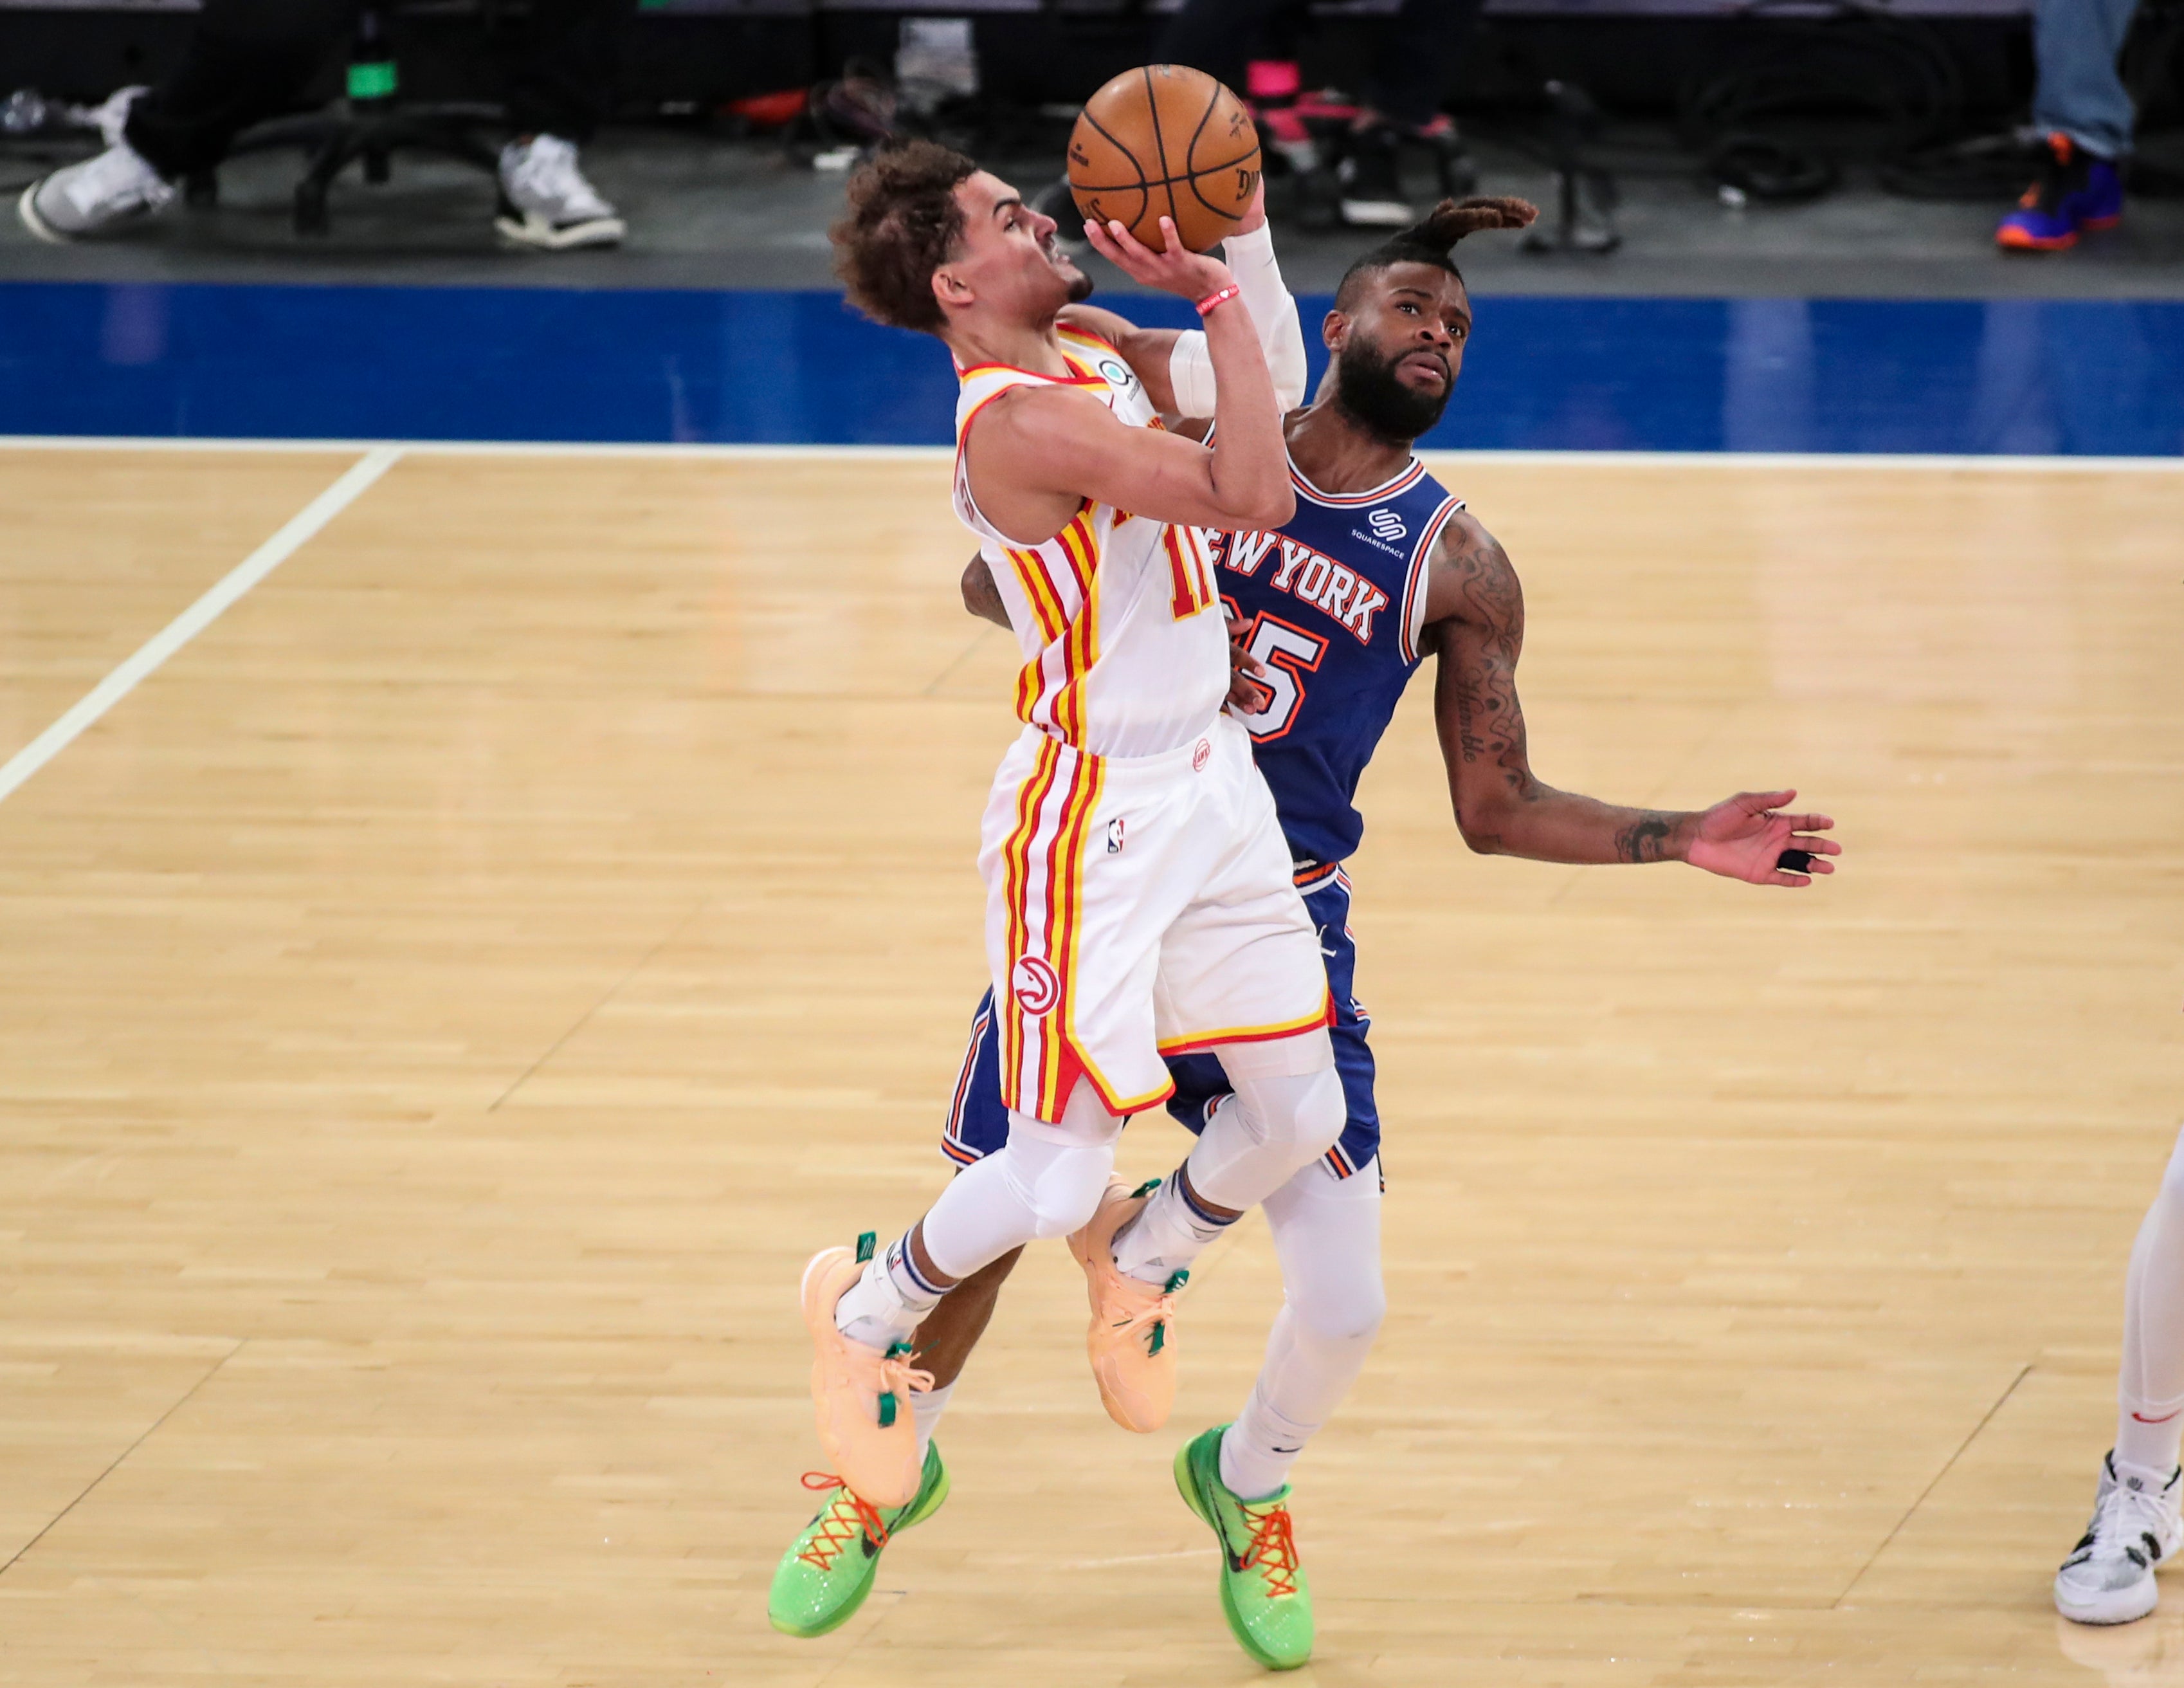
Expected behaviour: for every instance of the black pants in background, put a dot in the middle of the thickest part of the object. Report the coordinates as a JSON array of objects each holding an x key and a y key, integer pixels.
[
  {"x": 249, "y": 58},
  {"x": 1411, "y": 61}
]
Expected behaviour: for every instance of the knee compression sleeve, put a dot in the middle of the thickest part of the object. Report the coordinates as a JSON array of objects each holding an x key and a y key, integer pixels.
[
  {"x": 1274, "y": 1125},
  {"x": 1044, "y": 1182}
]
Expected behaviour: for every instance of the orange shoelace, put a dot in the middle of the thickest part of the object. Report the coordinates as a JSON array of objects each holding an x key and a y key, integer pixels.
[
  {"x": 1272, "y": 1549},
  {"x": 846, "y": 1517},
  {"x": 896, "y": 1380}
]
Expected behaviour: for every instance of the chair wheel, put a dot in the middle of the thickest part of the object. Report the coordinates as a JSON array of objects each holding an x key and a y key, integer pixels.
[
  {"x": 311, "y": 216},
  {"x": 200, "y": 189}
]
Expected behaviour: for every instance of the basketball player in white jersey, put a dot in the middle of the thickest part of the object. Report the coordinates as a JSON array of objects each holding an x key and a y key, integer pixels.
[
  {"x": 2108, "y": 1576},
  {"x": 1139, "y": 894}
]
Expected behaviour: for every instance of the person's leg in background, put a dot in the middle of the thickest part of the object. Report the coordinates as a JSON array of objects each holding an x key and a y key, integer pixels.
[
  {"x": 245, "y": 61},
  {"x": 2136, "y": 1523},
  {"x": 560, "y": 87},
  {"x": 1216, "y": 37},
  {"x": 1251, "y": 44},
  {"x": 1411, "y": 69},
  {"x": 2084, "y": 118}
]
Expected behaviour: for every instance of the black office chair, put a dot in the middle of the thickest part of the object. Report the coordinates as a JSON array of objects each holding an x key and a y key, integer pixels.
[{"x": 372, "y": 123}]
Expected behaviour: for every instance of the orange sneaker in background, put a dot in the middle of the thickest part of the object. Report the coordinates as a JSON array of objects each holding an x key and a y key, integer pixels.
[{"x": 1132, "y": 1339}]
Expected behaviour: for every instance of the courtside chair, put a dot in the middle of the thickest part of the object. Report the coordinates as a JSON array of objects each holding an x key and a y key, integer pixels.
[{"x": 372, "y": 121}]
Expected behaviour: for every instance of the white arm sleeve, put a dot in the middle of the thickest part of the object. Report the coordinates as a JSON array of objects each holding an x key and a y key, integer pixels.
[{"x": 1250, "y": 260}]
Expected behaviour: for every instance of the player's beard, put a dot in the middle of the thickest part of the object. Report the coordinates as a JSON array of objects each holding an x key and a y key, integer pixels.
[
  {"x": 1366, "y": 386},
  {"x": 1081, "y": 289}
]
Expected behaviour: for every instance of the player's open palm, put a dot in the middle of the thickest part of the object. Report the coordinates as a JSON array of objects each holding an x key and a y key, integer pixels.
[{"x": 1748, "y": 837}]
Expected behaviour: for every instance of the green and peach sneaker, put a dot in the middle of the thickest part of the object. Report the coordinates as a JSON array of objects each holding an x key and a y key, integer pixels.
[
  {"x": 828, "y": 1570},
  {"x": 1264, "y": 1594}
]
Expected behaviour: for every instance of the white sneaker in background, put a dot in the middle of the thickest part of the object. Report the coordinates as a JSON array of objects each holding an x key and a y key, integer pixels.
[
  {"x": 72, "y": 202},
  {"x": 2108, "y": 1578},
  {"x": 545, "y": 201}
]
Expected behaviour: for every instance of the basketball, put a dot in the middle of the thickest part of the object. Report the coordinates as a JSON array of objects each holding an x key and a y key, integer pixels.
[{"x": 1165, "y": 141}]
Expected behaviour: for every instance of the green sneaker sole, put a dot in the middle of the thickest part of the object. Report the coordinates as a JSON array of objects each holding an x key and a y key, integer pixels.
[
  {"x": 1194, "y": 1496},
  {"x": 923, "y": 1506}
]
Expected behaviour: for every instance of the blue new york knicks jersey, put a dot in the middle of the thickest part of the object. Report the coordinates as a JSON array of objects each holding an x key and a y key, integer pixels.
[{"x": 1332, "y": 604}]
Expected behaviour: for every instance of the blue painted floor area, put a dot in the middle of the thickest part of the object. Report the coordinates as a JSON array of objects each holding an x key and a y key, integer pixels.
[{"x": 1542, "y": 373}]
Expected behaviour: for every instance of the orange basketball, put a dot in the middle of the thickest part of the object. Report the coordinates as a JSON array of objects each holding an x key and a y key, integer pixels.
[{"x": 1165, "y": 141}]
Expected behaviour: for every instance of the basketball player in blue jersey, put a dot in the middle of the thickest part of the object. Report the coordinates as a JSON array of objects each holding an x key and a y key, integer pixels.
[{"x": 1332, "y": 613}]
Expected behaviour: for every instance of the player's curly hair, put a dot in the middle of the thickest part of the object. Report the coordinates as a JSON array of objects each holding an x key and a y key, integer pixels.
[
  {"x": 901, "y": 223},
  {"x": 1431, "y": 239}
]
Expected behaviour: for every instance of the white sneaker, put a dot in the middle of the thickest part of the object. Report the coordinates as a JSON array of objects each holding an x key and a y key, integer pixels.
[
  {"x": 2108, "y": 1578},
  {"x": 545, "y": 201},
  {"x": 86, "y": 197}
]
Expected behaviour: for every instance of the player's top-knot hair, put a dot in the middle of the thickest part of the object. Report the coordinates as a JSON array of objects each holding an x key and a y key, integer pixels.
[
  {"x": 1431, "y": 238},
  {"x": 900, "y": 224}
]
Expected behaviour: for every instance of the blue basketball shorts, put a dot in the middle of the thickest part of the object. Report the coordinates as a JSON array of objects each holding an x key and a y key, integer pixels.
[{"x": 978, "y": 1119}]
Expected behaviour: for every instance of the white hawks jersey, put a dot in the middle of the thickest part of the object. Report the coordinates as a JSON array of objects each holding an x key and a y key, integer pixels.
[{"x": 1125, "y": 652}]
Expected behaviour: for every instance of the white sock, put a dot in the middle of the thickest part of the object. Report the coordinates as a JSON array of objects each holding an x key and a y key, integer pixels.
[
  {"x": 1326, "y": 1233},
  {"x": 888, "y": 1302},
  {"x": 1168, "y": 1233},
  {"x": 2150, "y": 1390},
  {"x": 926, "y": 1406}
]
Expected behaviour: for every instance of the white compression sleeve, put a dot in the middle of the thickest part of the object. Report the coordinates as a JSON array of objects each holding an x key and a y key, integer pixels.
[
  {"x": 1044, "y": 1182},
  {"x": 1274, "y": 1124},
  {"x": 2150, "y": 1391},
  {"x": 1327, "y": 1234},
  {"x": 1250, "y": 260}
]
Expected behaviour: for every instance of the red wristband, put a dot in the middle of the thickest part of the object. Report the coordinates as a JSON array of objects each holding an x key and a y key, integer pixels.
[{"x": 1213, "y": 301}]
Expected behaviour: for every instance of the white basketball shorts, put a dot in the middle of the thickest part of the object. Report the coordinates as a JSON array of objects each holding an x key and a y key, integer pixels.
[{"x": 1138, "y": 907}]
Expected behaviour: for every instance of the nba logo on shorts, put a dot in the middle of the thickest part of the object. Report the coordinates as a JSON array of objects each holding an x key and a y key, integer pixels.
[
  {"x": 1115, "y": 836},
  {"x": 1033, "y": 984},
  {"x": 1200, "y": 757}
]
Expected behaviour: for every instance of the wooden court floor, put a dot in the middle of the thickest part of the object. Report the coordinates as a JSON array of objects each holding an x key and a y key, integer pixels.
[{"x": 440, "y": 1008}]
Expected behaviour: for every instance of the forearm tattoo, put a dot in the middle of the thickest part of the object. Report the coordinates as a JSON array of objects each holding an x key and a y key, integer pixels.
[{"x": 1646, "y": 838}]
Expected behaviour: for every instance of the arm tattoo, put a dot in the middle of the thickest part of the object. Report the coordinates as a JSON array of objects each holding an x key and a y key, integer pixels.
[
  {"x": 1490, "y": 721},
  {"x": 1646, "y": 839}
]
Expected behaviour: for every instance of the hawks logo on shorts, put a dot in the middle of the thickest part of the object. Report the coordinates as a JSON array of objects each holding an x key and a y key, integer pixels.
[{"x": 1032, "y": 983}]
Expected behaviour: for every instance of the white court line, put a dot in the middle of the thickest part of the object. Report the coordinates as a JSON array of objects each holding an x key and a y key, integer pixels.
[
  {"x": 293, "y": 534},
  {"x": 1969, "y": 462}
]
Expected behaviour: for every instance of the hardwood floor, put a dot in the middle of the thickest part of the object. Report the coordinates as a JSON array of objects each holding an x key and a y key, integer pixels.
[{"x": 442, "y": 1007}]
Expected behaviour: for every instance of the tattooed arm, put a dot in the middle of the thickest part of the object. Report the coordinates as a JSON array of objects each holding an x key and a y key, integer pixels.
[{"x": 1474, "y": 619}]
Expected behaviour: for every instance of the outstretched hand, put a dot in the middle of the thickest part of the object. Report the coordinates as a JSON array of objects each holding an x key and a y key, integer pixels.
[
  {"x": 1744, "y": 836},
  {"x": 1177, "y": 270}
]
